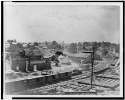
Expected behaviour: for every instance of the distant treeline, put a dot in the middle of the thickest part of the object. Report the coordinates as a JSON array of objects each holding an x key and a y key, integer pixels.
[
  {"x": 88, "y": 46},
  {"x": 49, "y": 45},
  {"x": 75, "y": 47}
]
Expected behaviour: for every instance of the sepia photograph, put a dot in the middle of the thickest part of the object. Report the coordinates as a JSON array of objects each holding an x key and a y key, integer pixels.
[{"x": 63, "y": 49}]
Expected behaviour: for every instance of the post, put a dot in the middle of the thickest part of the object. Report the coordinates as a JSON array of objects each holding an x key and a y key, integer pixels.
[
  {"x": 28, "y": 63},
  {"x": 92, "y": 59}
]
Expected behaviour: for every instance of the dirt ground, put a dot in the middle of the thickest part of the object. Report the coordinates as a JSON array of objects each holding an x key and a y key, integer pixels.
[{"x": 66, "y": 65}]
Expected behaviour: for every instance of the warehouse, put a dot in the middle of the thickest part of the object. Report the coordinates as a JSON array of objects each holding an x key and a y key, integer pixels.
[{"x": 84, "y": 57}]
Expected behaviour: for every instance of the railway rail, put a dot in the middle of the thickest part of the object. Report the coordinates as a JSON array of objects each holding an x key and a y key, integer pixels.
[
  {"x": 45, "y": 83},
  {"x": 65, "y": 84},
  {"x": 102, "y": 82}
]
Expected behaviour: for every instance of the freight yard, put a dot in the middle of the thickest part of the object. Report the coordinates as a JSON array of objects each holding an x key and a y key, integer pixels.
[
  {"x": 69, "y": 77},
  {"x": 62, "y": 49}
]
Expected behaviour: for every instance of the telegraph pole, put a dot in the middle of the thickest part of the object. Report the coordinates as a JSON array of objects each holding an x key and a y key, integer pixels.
[{"x": 92, "y": 59}]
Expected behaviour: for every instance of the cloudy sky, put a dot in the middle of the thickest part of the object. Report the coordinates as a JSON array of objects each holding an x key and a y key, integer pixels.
[{"x": 68, "y": 23}]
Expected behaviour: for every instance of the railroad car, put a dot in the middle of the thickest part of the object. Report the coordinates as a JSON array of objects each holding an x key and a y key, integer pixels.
[
  {"x": 62, "y": 75},
  {"x": 48, "y": 78},
  {"x": 15, "y": 86},
  {"x": 68, "y": 75},
  {"x": 55, "y": 77},
  {"x": 42, "y": 80},
  {"x": 30, "y": 82},
  {"x": 76, "y": 72}
]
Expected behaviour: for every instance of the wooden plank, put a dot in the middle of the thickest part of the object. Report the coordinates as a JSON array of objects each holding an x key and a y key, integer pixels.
[{"x": 102, "y": 84}]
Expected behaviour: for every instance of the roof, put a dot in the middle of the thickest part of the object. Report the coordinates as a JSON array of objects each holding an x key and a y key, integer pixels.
[
  {"x": 7, "y": 43},
  {"x": 14, "y": 43},
  {"x": 37, "y": 52},
  {"x": 44, "y": 47},
  {"x": 13, "y": 55},
  {"x": 34, "y": 52},
  {"x": 88, "y": 47},
  {"x": 59, "y": 53},
  {"x": 46, "y": 56},
  {"x": 98, "y": 52},
  {"x": 110, "y": 56},
  {"x": 42, "y": 44},
  {"x": 83, "y": 55}
]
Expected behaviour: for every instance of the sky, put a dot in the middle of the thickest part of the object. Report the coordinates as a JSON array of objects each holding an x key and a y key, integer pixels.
[{"x": 68, "y": 23}]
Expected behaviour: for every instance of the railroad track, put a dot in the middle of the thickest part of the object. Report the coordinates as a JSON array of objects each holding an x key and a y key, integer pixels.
[
  {"x": 71, "y": 84},
  {"x": 66, "y": 84},
  {"x": 117, "y": 77},
  {"x": 102, "y": 82},
  {"x": 114, "y": 62}
]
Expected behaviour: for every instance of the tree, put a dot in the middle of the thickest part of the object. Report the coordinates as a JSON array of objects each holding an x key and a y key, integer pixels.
[
  {"x": 99, "y": 44},
  {"x": 54, "y": 45},
  {"x": 36, "y": 43},
  {"x": 94, "y": 46},
  {"x": 79, "y": 46},
  {"x": 22, "y": 53},
  {"x": 104, "y": 52},
  {"x": 19, "y": 45},
  {"x": 14, "y": 40},
  {"x": 83, "y": 47},
  {"x": 73, "y": 48},
  {"x": 10, "y": 42},
  {"x": 60, "y": 46},
  {"x": 46, "y": 43},
  {"x": 49, "y": 45}
]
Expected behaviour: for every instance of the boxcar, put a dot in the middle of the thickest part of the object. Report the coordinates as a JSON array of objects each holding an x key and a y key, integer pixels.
[
  {"x": 42, "y": 79},
  {"x": 15, "y": 86},
  {"x": 48, "y": 78},
  {"x": 31, "y": 81},
  {"x": 62, "y": 75}
]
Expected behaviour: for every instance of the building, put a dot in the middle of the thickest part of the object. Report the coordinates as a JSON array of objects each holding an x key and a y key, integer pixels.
[
  {"x": 78, "y": 57},
  {"x": 83, "y": 58},
  {"x": 31, "y": 45},
  {"x": 42, "y": 45},
  {"x": 88, "y": 48},
  {"x": 24, "y": 45},
  {"x": 7, "y": 45},
  {"x": 89, "y": 58}
]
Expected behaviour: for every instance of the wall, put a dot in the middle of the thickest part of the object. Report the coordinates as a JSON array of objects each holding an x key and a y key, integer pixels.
[{"x": 88, "y": 59}]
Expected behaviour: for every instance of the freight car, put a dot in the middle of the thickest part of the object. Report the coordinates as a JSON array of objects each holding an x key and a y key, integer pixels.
[{"x": 16, "y": 86}]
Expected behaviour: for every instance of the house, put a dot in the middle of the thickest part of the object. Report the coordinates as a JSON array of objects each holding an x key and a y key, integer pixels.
[
  {"x": 42, "y": 45},
  {"x": 100, "y": 48},
  {"x": 83, "y": 58},
  {"x": 31, "y": 45},
  {"x": 88, "y": 48},
  {"x": 78, "y": 57},
  {"x": 110, "y": 56},
  {"x": 24, "y": 45},
  {"x": 89, "y": 58},
  {"x": 7, "y": 45},
  {"x": 34, "y": 54},
  {"x": 99, "y": 52}
]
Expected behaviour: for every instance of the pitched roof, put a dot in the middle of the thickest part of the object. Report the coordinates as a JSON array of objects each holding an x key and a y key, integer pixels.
[
  {"x": 83, "y": 55},
  {"x": 37, "y": 52}
]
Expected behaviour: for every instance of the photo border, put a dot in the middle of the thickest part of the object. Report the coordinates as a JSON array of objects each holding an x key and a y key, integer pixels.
[{"x": 2, "y": 53}]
